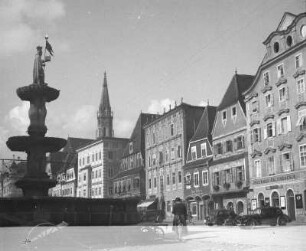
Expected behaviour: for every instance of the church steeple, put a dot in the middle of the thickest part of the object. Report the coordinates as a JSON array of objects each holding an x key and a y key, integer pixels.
[{"x": 105, "y": 115}]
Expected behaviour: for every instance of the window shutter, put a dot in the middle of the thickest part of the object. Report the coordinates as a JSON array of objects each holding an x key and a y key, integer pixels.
[
  {"x": 265, "y": 132},
  {"x": 279, "y": 128},
  {"x": 273, "y": 128},
  {"x": 288, "y": 123}
]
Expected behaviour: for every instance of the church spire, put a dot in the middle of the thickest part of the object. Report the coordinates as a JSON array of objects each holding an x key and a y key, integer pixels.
[{"x": 105, "y": 115}]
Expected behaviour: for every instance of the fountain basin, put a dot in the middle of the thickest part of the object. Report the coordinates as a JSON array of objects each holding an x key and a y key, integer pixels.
[
  {"x": 26, "y": 143},
  {"x": 31, "y": 92}
]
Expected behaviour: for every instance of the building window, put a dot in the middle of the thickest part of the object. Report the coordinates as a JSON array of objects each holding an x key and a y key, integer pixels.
[
  {"x": 228, "y": 176},
  {"x": 240, "y": 173},
  {"x": 284, "y": 125},
  {"x": 155, "y": 182},
  {"x": 275, "y": 199},
  {"x": 196, "y": 179},
  {"x": 224, "y": 117},
  {"x": 301, "y": 121},
  {"x": 239, "y": 142},
  {"x": 276, "y": 47},
  {"x": 234, "y": 112},
  {"x": 270, "y": 165},
  {"x": 88, "y": 159},
  {"x": 100, "y": 155},
  {"x": 219, "y": 148},
  {"x": 280, "y": 71},
  {"x": 179, "y": 177},
  {"x": 173, "y": 179},
  {"x": 110, "y": 155},
  {"x": 172, "y": 129},
  {"x": 300, "y": 86},
  {"x": 205, "y": 178},
  {"x": 286, "y": 162},
  {"x": 168, "y": 179},
  {"x": 131, "y": 147},
  {"x": 269, "y": 130},
  {"x": 216, "y": 178},
  {"x": 203, "y": 150},
  {"x": 257, "y": 165},
  {"x": 150, "y": 183},
  {"x": 153, "y": 138},
  {"x": 154, "y": 159},
  {"x": 179, "y": 151},
  {"x": 283, "y": 94},
  {"x": 255, "y": 106},
  {"x": 229, "y": 146},
  {"x": 269, "y": 100},
  {"x": 266, "y": 77},
  {"x": 161, "y": 183},
  {"x": 303, "y": 155},
  {"x": 256, "y": 135},
  {"x": 167, "y": 156},
  {"x": 298, "y": 61},
  {"x": 172, "y": 153},
  {"x": 84, "y": 177},
  {"x": 188, "y": 179},
  {"x": 193, "y": 153}
]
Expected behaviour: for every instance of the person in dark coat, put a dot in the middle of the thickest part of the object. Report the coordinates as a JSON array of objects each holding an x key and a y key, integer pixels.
[{"x": 179, "y": 211}]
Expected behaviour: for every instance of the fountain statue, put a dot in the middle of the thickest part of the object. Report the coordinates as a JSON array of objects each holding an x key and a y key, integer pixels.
[{"x": 36, "y": 182}]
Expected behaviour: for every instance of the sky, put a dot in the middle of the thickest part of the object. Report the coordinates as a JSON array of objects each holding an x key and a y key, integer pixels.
[{"x": 155, "y": 52}]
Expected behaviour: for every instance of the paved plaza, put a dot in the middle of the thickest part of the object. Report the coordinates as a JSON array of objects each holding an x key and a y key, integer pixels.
[{"x": 199, "y": 237}]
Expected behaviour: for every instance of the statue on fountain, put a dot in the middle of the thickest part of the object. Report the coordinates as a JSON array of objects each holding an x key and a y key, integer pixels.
[{"x": 38, "y": 70}]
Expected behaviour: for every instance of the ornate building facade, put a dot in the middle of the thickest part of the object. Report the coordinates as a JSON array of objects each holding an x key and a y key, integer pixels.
[
  {"x": 276, "y": 105},
  {"x": 166, "y": 141}
]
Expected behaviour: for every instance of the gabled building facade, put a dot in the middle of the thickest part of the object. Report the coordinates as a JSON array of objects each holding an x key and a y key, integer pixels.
[
  {"x": 276, "y": 107},
  {"x": 130, "y": 180},
  {"x": 166, "y": 142},
  {"x": 229, "y": 169},
  {"x": 196, "y": 170}
]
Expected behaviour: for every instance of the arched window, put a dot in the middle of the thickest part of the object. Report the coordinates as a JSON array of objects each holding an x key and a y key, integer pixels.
[
  {"x": 239, "y": 207},
  {"x": 275, "y": 199},
  {"x": 261, "y": 200}
]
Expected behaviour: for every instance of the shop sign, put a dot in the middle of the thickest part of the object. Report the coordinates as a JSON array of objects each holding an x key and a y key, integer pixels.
[
  {"x": 282, "y": 202},
  {"x": 274, "y": 187},
  {"x": 254, "y": 204},
  {"x": 274, "y": 179},
  {"x": 298, "y": 201}
]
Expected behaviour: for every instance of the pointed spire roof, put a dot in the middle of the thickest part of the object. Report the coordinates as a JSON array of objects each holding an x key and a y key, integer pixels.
[
  {"x": 238, "y": 85},
  {"x": 206, "y": 124},
  {"x": 104, "y": 104}
]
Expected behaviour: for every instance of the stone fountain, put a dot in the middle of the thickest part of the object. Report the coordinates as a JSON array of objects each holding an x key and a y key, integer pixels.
[{"x": 36, "y": 182}]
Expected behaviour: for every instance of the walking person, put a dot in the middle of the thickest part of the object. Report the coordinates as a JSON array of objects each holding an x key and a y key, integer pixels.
[{"x": 180, "y": 215}]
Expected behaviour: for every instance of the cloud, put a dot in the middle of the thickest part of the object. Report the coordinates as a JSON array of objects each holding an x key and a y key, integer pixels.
[
  {"x": 81, "y": 123},
  {"x": 123, "y": 127},
  {"x": 21, "y": 22},
  {"x": 158, "y": 106},
  {"x": 18, "y": 117},
  {"x": 203, "y": 103}
]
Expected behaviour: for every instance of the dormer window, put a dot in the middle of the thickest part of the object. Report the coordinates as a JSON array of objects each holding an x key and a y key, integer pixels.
[
  {"x": 276, "y": 47},
  {"x": 131, "y": 147},
  {"x": 280, "y": 71},
  {"x": 234, "y": 112},
  {"x": 298, "y": 61},
  {"x": 266, "y": 78},
  {"x": 193, "y": 153},
  {"x": 224, "y": 117},
  {"x": 289, "y": 41}
]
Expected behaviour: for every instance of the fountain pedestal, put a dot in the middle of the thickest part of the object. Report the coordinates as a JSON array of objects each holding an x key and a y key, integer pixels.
[{"x": 36, "y": 182}]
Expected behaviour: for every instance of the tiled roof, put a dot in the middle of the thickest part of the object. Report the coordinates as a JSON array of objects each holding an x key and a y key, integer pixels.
[
  {"x": 206, "y": 123},
  {"x": 137, "y": 136},
  {"x": 233, "y": 94},
  {"x": 75, "y": 143}
]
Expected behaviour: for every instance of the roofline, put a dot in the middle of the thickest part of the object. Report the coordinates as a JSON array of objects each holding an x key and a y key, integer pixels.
[
  {"x": 272, "y": 61},
  {"x": 100, "y": 141},
  {"x": 283, "y": 32},
  {"x": 180, "y": 106}
]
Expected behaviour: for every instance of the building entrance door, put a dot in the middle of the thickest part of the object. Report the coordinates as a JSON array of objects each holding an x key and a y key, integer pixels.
[{"x": 290, "y": 204}]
